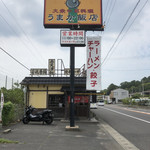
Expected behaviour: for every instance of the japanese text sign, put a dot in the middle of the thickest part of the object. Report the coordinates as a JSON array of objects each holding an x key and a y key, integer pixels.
[
  {"x": 83, "y": 14},
  {"x": 38, "y": 71},
  {"x": 80, "y": 99},
  {"x": 93, "y": 80},
  {"x": 72, "y": 37}
]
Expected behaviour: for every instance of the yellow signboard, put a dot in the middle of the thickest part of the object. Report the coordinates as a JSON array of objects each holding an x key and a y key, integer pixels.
[{"x": 83, "y": 14}]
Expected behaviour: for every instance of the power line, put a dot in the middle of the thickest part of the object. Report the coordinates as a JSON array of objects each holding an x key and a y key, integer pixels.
[
  {"x": 130, "y": 25},
  {"x": 14, "y": 31},
  {"x": 19, "y": 27},
  {"x": 126, "y": 70},
  {"x": 110, "y": 11},
  {"x": 15, "y": 59},
  {"x": 121, "y": 32},
  {"x": 106, "y": 22},
  {"x": 106, "y": 8},
  {"x": 5, "y": 71}
]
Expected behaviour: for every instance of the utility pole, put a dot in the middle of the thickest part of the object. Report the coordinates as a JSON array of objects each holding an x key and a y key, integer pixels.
[
  {"x": 142, "y": 88},
  {"x": 6, "y": 82},
  {"x": 12, "y": 83}
]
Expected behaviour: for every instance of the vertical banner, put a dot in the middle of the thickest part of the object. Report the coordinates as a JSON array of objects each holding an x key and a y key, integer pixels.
[
  {"x": 93, "y": 79},
  {"x": 1, "y": 108}
]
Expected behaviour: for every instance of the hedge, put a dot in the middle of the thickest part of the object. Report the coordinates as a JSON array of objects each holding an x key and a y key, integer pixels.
[{"x": 8, "y": 113}]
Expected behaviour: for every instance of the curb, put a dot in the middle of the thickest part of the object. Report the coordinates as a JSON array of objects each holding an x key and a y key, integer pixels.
[
  {"x": 92, "y": 120},
  {"x": 7, "y": 131}
]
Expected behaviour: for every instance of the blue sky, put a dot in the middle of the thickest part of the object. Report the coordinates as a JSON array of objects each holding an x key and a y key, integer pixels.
[{"x": 23, "y": 35}]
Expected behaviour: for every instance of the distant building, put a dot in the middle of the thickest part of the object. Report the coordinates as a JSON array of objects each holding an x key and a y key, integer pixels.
[{"x": 119, "y": 94}]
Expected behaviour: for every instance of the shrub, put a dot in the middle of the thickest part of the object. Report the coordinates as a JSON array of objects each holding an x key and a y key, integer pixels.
[
  {"x": 126, "y": 101},
  {"x": 136, "y": 96},
  {"x": 8, "y": 113},
  {"x": 133, "y": 102},
  {"x": 143, "y": 103}
]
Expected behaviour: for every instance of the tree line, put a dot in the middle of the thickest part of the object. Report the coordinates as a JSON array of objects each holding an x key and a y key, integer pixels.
[
  {"x": 14, "y": 95},
  {"x": 133, "y": 86}
]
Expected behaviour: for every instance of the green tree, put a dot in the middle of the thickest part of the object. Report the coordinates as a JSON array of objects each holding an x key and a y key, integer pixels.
[
  {"x": 125, "y": 85},
  {"x": 136, "y": 96},
  {"x": 14, "y": 95},
  {"x": 111, "y": 87}
]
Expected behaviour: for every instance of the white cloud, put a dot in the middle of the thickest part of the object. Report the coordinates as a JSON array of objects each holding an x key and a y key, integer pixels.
[{"x": 40, "y": 44}]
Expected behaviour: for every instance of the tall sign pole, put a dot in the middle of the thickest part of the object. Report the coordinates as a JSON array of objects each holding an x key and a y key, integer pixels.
[
  {"x": 72, "y": 38},
  {"x": 78, "y": 16},
  {"x": 72, "y": 64}
]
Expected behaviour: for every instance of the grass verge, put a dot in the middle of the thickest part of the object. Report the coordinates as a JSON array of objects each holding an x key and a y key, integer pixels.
[{"x": 7, "y": 141}]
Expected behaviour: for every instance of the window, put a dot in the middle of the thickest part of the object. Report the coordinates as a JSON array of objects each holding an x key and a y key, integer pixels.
[
  {"x": 54, "y": 100},
  {"x": 124, "y": 93},
  {"x": 115, "y": 93}
]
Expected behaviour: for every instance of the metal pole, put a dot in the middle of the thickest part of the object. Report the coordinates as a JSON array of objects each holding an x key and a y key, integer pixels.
[
  {"x": 12, "y": 83},
  {"x": 72, "y": 64},
  {"x": 6, "y": 82},
  {"x": 142, "y": 88}
]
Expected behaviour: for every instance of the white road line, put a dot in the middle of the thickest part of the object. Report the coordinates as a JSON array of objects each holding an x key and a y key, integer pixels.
[
  {"x": 126, "y": 115},
  {"x": 124, "y": 143}
]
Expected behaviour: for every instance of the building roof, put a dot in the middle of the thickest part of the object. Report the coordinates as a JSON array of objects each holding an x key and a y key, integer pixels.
[
  {"x": 119, "y": 89},
  {"x": 53, "y": 80}
]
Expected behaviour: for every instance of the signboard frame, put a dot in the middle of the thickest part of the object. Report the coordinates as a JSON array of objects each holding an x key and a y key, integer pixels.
[{"x": 79, "y": 25}]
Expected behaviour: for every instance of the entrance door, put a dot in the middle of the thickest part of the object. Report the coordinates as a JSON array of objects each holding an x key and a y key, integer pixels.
[{"x": 55, "y": 101}]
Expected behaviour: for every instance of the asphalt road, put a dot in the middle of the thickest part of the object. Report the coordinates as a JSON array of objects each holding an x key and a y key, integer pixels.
[
  {"x": 132, "y": 123},
  {"x": 36, "y": 136}
]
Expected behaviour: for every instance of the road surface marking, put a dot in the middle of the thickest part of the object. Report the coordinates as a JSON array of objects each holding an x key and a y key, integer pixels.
[
  {"x": 124, "y": 143},
  {"x": 128, "y": 109},
  {"x": 127, "y": 115},
  {"x": 137, "y": 111}
]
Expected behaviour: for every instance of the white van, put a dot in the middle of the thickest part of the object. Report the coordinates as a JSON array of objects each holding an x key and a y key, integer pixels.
[{"x": 100, "y": 103}]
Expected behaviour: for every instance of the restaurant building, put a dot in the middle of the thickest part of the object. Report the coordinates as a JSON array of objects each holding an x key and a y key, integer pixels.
[{"x": 54, "y": 93}]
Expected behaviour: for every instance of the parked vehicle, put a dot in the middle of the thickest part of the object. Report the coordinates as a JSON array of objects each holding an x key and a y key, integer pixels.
[
  {"x": 93, "y": 106},
  {"x": 43, "y": 116},
  {"x": 109, "y": 101},
  {"x": 100, "y": 103}
]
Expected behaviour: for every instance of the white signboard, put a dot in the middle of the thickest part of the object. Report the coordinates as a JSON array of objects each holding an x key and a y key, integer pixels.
[
  {"x": 93, "y": 80},
  {"x": 72, "y": 37}
]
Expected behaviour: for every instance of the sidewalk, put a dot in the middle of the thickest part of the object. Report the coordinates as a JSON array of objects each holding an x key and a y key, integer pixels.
[{"x": 35, "y": 136}]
